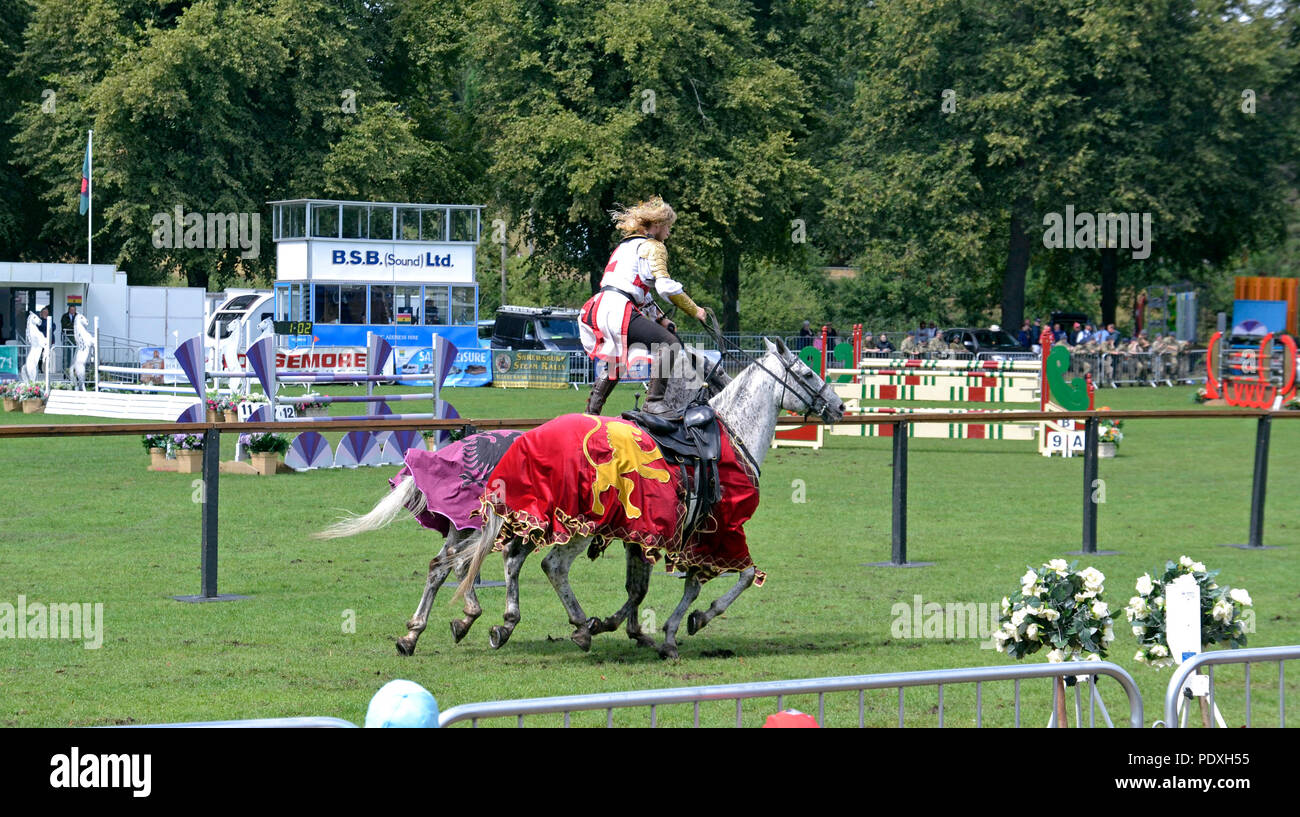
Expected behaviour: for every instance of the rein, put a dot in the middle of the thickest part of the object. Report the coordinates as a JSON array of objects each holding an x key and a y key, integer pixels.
[{"x": 813, "y": 405}]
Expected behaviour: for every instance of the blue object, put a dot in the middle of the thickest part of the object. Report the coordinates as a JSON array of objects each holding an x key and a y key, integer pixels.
[{"x": 402, "y": 705}]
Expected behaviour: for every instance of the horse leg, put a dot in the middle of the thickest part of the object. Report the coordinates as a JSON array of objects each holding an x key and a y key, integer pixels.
[
  {"x": 460, "y": 626},
  {"x": 689, "y": 593},
  {"x": 698, "y": 619},
  {"x": 556, "y": 566},
  {"x": 516, "y": 553},
  {"x": 637, "y": 584},
  {"x": 438, "y": 570}
]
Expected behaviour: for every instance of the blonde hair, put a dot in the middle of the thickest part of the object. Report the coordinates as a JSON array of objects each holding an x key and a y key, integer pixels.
[{"x": 641, "y": 217}]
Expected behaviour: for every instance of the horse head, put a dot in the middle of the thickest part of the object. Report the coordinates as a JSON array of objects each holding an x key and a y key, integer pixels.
[{"x": 804, "y": 392}]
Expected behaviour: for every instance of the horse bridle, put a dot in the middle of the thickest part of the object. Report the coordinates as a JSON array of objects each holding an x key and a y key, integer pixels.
[{"x": 817, "y": 404}]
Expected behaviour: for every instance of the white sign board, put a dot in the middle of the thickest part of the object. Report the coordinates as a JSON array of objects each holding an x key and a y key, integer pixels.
[
  {"x": 1064, "y": 442},
  {"x": 1183, "y": 617}
]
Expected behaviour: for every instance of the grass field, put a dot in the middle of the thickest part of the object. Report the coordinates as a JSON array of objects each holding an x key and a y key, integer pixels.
[{"x": 82, "y": 520}]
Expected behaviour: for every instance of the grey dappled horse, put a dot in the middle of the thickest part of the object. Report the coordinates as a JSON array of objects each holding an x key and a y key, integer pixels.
[
  {"x": 682, "y": 389},
  {"x": 749, "y": 406}
]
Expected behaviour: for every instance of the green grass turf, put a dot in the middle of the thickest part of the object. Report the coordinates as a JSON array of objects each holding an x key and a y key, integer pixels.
[{"x": 82, "y": 520}]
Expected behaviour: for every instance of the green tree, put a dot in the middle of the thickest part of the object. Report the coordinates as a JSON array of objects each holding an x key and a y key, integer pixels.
[{"x": 583, "y": 105}]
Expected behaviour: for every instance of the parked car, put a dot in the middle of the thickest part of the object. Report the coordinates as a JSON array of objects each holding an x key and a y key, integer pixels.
[
  {"x": 991, "y": 344},
  {"x": 530, "y": 327}
]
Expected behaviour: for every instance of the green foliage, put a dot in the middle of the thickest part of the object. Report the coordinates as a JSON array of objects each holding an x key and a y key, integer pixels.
[{"x": 745, "y": 117}]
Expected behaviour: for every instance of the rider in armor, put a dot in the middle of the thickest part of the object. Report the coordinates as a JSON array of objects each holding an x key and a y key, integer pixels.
[{"x": 624, "y": 312}]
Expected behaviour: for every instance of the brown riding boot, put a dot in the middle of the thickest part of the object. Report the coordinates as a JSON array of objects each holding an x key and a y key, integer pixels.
[
  {"x": 654, "y": 398},
  {"x": 599, "y": 393}
]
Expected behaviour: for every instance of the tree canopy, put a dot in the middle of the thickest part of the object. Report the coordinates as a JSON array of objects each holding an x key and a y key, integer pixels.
[{"x": 927, "y": 144}]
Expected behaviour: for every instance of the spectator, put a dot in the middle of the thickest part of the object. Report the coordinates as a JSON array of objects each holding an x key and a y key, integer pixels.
[
  {"x": 1085, "y": 335},
  {"x": 1025, "y": 337},
  {"x": 1101, "y": 335},
  {"x": 1071, "y": 337},
  {"x": 1058, "y": 334},
  {"x": 884, "y": 345},
  {"x": 832, "y": 337},
  {"x": 805, "y": 334},
  {"x": 68, "y": 323}
]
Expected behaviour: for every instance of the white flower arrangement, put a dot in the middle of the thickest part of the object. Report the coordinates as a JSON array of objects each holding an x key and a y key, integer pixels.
[
  {"x": 1221, "y": 611},
  {"x": 1060, "y": 609}
]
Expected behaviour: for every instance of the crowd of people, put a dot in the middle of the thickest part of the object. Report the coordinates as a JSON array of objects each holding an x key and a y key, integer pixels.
[{"x": 1101, "y": 350}]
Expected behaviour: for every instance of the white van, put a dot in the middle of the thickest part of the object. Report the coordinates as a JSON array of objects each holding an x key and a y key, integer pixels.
[{"x": 234, "y": 325}]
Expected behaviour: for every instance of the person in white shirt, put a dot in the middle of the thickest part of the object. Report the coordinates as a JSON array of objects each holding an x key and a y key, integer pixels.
[{"x": 623, "y": 312}]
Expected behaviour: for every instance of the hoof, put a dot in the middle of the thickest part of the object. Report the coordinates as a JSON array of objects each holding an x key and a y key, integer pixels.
[
  {"x": 642, "y": 640},
  {"x": 668, "y": 651},
  {"x": 582, "y": 638},
  {"x": 498, "y": 636},
  {"x": 695, "y": 622},
  {"x": 406, "y": 645},
  {"x": 595, "y": 626},
  {"x": 459, "y": 629}
]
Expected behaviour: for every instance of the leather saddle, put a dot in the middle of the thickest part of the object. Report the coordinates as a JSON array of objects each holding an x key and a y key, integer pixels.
[{"x": 694, "y": 442}]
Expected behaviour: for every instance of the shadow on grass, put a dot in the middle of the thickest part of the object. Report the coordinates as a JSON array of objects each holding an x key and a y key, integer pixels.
[{"x": 618, "y": 648}]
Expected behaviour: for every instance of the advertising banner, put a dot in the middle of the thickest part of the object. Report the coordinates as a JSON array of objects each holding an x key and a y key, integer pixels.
[
  {"x": 529, "y": 369},
  {"x": 159, "y": 357},
  {"x": 472, "y": 367},
  {"x": 8, "y": 362}
]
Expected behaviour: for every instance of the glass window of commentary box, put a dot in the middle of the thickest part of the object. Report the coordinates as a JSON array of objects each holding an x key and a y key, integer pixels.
[
  {"x": 352, "y": 303},
  {"x": 433, "y": 225},
  {"x": 325, "y": 221},
  {"x": 325, "y": 298},
  {"x": 381, "y": 304},
  {"x": 381, "y": 223},
  {"x": 406, "y": 305},
  {"x": 293, "y": 221},
  {"x": 355, "y": 221},
  {"x": 462, "y": 306},
  {"x": 464, "y": 225},
  {"x": 435, "y": 305},
  {"x": 408, "y": 224}
]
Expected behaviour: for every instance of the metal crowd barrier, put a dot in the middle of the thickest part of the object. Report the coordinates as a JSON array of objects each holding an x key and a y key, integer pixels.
[
  {"x": 1257, "y": 655},
  {"x": 655, "y": 698},
  {"x": 580, "y": 369}
]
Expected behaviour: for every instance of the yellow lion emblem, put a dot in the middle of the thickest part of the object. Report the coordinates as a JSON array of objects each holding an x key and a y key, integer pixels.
[{"x": 628, "y": 457}]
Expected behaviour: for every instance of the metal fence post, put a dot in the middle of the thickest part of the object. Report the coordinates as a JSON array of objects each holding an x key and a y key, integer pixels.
[
  {"x": 1089, "y": 482},
  {"x": 898, "y": 503},
  {"x": 1259, "y": 486},
  {"x": 208, "y": 546},
  {"x": 1090, "y": 485}
]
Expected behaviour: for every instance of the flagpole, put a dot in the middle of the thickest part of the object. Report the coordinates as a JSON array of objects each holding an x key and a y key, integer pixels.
[{"x": 90, "y": 198}]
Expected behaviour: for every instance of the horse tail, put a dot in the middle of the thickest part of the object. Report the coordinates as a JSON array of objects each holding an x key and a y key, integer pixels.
[
  {"x": 404, "y": 496},
  {"x": 487, "y": 540}
]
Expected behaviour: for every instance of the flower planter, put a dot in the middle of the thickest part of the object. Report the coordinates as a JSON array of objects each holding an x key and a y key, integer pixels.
[
  {"x": 314, "y": 412},
  {"x": 158, "y": 458},
  {"x": 212, "y": 417},
  {"x": 1107, "y": 449},
  {"x": 265, "y": 462},
  {"x": 189, "y": 461},
  {"x": 11, "y": 404},
  {"x": 232, "y": 416},
  {"x": 34, "y": 406}
]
